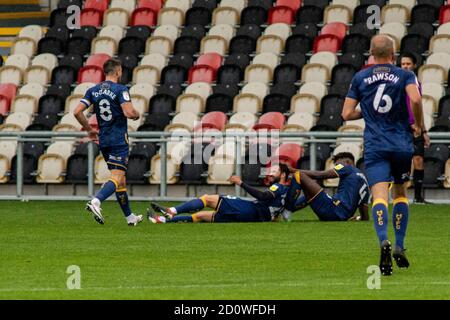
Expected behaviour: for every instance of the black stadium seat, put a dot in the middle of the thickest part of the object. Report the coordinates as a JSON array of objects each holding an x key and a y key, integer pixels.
[
  {"x": 208, "y": 4},
  {"x": 184, "y": 60},
  {"x": 51, "y": 45},
  {"x": 424, "y": 13},
  {"x": 436, "y": 3},
  {"x": 29, "y": 166},
  {"x": 45, "y": 120},
  {"x": 355, "y": 59},
  {"x": 51, "y": 104},
  {"x": 139, "y": 162},
  {"x": 187, "y": 44},
  {"x": 254, "y": 15},
  {"x": 434, "y": 162},
  {"x": 72, "y": 60},
  {"x": 64, "y": 75},
  {"x": 298, "y": 44},
  {"x": 129, "y": 62},
  {"x": 343, "y": 73},
  {"x": 414, "y": 43},
  {"x": 86, "y": 32},
  {"x": 355, "y": 43},
  {"x": 79, "y": 45},
  {"x": 256, "y": 157},
  {"x": 297, "y": 59},
  {"x": 58, "y": 17},
  {"x": 362, "y": 28},
  {"x": 131, "y": 45},
  {"x": 380, "y": 3},
  {"x": 287, "y": 89},
  {"x": 276, "y": 102},
  {"x": 162, "y": 103},
  {"x": 173, "y": 74},
  {"x": 266, "y": 4},
  {"x": 155, "y": 122},
  {"x": 60, "y": 90},
  {"x": 58, "y": 32},
  {"x": 198, "y": 15},
  {"x": 286, "y": 73},
  {"x": 219, "y": 102},
  {"x": 322, "y": 4},
  {"x": 238, "y": 59},
  {"x": 242, "y": 44},
  {"x": 423, "y": 28},
  {"x": 231, "y": 74},
  {"x": 306, "y": 29},
  {"x": 309, "y": 13},
  {"x": 197, "y": 31},
  {"x": 77, "y": 169},
  {"x": 34, "y": 148},
  {"x": 142, "y": 32},
  {"x": 63, "y": 4},
  {"x": 170, "y": 89},
  {"x": 360, "y": 14},
  {"x": 228, "y": 89},
  {"x": 251, "y": 30}
]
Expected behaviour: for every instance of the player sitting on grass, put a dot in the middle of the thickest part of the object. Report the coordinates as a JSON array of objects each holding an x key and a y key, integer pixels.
[
  {"x": 352, "y": 192},
  {"x": 267, "y": 206},
  {"x": 112, "y": 106}
]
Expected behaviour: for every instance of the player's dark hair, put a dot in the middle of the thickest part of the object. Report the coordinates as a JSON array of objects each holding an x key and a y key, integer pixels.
[
  {"x": 344, "y": 155},
  {"x": 111, "y": 65},
  {"x": 409, "y": 56},
  {"x": 284, "y": 169}
]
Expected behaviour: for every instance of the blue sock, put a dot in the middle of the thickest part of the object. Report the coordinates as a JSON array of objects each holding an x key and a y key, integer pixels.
[
  {"x": 380, "y": 218},
  {"x": 293, "y": 193},
  {"x": 191, "y": 206},
  {"x": 108, "y": 188},
  {"x": 400, "y": 215},
  {"x": 122, "y": 199},
  {"x": 181, "y": 219}
]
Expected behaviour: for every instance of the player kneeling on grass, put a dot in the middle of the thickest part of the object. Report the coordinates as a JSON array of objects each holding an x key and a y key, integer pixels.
[
  {"x": 352, "y": 192},
  {"x": 267, "y": 206},
  {"x": 112, "y": 106}
]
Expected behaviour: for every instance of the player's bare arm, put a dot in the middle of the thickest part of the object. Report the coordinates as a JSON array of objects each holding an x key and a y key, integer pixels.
[
  {"x": 416, "y": 103},
  {"x": 364, "y": 212},
  {"x": 257, "y": 194},
  {"x": 129, "y": 111},
  {"x": 79, "y": 115},
  {"x": 320, "y": 175},
  {"x": 349, "y": 111}
]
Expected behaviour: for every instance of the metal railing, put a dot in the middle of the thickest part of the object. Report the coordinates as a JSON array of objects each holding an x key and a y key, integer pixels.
[{"x": 308, "y": 138}]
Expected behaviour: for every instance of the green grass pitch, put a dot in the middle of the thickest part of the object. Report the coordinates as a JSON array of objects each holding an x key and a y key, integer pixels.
[{"x": 304, "y": 259}]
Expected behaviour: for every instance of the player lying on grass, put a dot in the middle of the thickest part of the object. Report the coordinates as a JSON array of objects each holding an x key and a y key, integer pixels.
[
  {"x": 267, "y": 206},
  {"x": 112, "y": 106},
  {"x": 352, "y": 192}
]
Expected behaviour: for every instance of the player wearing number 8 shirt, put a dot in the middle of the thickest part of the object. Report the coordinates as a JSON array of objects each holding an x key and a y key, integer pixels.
[
  {"x": 112, "y": 106},
  {"x": 381, "y": 91}
]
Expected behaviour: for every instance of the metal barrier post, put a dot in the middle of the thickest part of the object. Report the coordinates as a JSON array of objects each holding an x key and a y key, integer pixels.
[
  {"x": 163, "y": 185},
  {"x": 19, "y": 168},
  {"x": 91, "y": 169},
  {"x": 312, "y": 155},
  {"x": 237, "y": 189}
]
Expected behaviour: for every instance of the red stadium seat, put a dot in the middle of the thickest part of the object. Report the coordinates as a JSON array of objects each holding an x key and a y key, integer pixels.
[
  {"x": 444, "y": 14},
  {"x": 281, "y": 14},
  {"x": 201, "y": 73},
  {"x": 100, "y": 5},
  {"x": 143, "y": 17},
  {"x": 97, "y": 60},
  {"x": 92, "y": 74},
  {"x": 7, "y": 94},
  {"x": 288, "y": 153},
  {"x": 91, "y": 17},
  {"x": 270, "y": 121},
  {"x": 293, "y": 4},
  {"x": 212, "y": 59},
  {"x": 327, "y": 42},
  {"x": 338, "y": 29},
  {"x": 213, "y": 120},
  {"x": 154, "y": 5}
]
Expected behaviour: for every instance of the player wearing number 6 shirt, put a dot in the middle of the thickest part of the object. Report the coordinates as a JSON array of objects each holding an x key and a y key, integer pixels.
[
  {"x": 112, "y": 106},
  {"x": 381, "y": 91}
]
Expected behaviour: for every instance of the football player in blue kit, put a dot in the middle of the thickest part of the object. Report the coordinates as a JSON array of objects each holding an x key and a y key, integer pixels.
[
  {"x": 381, "y": 91},
  {"x": 112, "y": 107},
  {"x": 352, "y": 192},
  {"x": 266, "y": 207}
]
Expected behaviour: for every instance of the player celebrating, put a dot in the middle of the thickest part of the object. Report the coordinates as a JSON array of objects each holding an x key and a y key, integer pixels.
[
  {"x": 409, "y": 62},
  {"x": 112, "y": 106},
  {"x": 267, "y": 206},
  {"x": 381, "y": 91},
  {"x": 352, "y": 192}
]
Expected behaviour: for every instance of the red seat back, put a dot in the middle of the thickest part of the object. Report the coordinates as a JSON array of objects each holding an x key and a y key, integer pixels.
[
  {"x": 91, "y": 17},
  {"x": 215, "y": 120},
  {"x": 201, "y": 73},
  {"x": 293, "y": 4},
  {"x": 5, "y": 105},
  {"x": 97, "y": 60},
  {"x": 327, "y": 42},
  {"x": 212, "y": 59},
  {"x": 8, "y": 90},
  {"x": 143, "y": 17},
  {"x": 288, "y": 153},
  {"x": 100, "y": 5},
  {"x": 270, "y": 121},
  {"x": 338, "y": 29},
  {"x": 92, "y": 74},
  {"x": 155, "y": 5},
  {"x": 281, "y": 14},
  {"x": 444, "y": 14}
]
